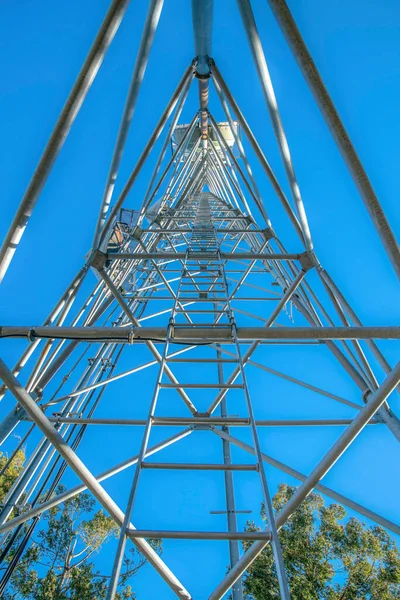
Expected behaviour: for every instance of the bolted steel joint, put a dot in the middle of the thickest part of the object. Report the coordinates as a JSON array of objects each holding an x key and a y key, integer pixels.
[
  {"x": 131, "y": 336},
  {"x": 137, "y": 232},
  {"x": 202, "y": 75},
  {"x": 307, "y": 260},
  {"x": 268, "y": 234},
  {"x": 97, "y": 260}
]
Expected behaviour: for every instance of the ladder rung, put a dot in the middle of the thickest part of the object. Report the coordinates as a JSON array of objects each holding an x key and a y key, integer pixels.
[
  {"x": 219, "y": 299},
  {"x": 214, "y": 386},
  {"x": 202, "y": 360},
  {"x": 183, "y": 310},
  {"x": 201, "y": 420},
  {"x": 209, "y": 287},
  {"x": 199, "y": 466},
  {"x": 194, "y": 326},
  {"x": 199, "y": 535}
]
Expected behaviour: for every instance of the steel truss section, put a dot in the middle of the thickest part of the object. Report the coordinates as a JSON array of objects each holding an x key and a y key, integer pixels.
[{"x": 174, "y": 276}]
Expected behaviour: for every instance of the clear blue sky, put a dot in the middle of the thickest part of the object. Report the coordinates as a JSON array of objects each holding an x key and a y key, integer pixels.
[{"x": 356, "y": 47}]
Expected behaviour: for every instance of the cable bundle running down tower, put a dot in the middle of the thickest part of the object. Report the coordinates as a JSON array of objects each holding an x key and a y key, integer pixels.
[{"x": 198, "y": 280}]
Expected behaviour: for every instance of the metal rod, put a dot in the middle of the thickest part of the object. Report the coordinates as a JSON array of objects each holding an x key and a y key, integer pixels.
[
  {"x": 148, "y": 342},
  {"x": 144, "y": 334},
  {"x": 372, "y": 346},
  {"x": 238, "y": 422},
  {"x": 71, "y": 109},
  {"x": 234, "y": 555},
  {"x": 112, "y": 379},
  {"x": 366, "y": 512},
  {"x": 198, "y": 467},
  {"x": 272, "y": 104},
  {"x": 71, "y": 493},
  {"x": 259, "y": 153},
  {"x": 328, "y": 110},
  {"x": 203, "y": 255},
  {"x": 143, "y": 157},
  {"x": 202, "y": 16},
  {"x": 119, "y": 555},
  {"x": 374, "y": 402},
  {"x": 146, "y": 42},
  {"x": 85, "y": 475},
  {"x": 239, "y": 144},
  {"x": 200, "y": 535},
  {"x": 188, "y": 134}
]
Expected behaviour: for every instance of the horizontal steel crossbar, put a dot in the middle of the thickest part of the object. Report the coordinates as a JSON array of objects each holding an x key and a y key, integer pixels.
[
  {"x": 137, "y": 334},
  {"x": 199, "y": 535},
  {"x": 198, "y": 467},
  {"x": 201, "y": 256}
]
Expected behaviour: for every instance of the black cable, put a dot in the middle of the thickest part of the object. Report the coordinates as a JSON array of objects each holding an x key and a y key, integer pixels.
[{"x": 82, "y": 428}]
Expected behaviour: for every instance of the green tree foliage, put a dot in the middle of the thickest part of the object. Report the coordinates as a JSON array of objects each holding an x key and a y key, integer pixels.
[
  {"x": 11, "y": 473},
  {"x": 58, "y": 563},
  {"x": 327, "y": 556}
]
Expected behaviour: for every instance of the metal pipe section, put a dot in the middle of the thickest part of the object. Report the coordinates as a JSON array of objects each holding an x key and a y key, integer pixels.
[
  {"x": 276, "y": 546},
  {"x": 71, "y": 493},
  {"x": 148, "y": 198},
  {"x": 149, "y": 342},
  {"x": 234, "y": 555},
  {"x": 149, "y": 30},
  {"x": 142, "y": 159},
  {"x": 104, "y": 382},
  {"x": 257, "y": 150},
  {"x": 223, "y": 144},
  {"x": 85, "y": 475},
  {"x": 10, "y": 422},
  {"x": 372, "y": 346},
  {"x": 60, "y": 133},
  {"x": 239, "y": 144},
  {"x": 193, "y": 421},
  {"x": 198, "y": 467},
  {"x": 362, "y": 510},
  {"x": 200, "y": 535},
  {"x": 119, "y": 554},
  {"x": 202, "y": 15},
  {"x": 328, "y": 110},
  {"x": 203, "y": 255},
  {"x": 272, "y": 104},
  {"x": 366, "y": 413},
  {"x": 158, "y": 334}
]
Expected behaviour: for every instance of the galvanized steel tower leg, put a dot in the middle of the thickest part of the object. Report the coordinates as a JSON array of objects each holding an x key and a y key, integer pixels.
[
  {"x": 328, "y": 110},
  {"x": 74, "y": 102},
  {"x": 237, "y": 590},
  {"x": 146, "y": 43}
]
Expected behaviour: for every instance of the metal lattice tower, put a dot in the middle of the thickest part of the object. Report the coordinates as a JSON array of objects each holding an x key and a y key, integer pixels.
[{"x": 173, "y": 278}]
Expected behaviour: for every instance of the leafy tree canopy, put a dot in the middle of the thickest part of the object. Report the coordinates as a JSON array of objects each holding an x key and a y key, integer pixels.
[
  {"x": 11, "y": 472},
  {"x": 327, "y": 556},
  {"x": 58, "y": 563}
]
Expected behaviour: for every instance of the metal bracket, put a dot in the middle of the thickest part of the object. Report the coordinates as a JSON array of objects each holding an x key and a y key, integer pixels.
[
  {"x": 307, "y": 260},
  {"x": 268, "y": 234},
  {"x": 202, "y": 75},
  {"x": 137, "y": 232},
  {"x": 201, "y": 426},
  {"x": 97, "y": 260}
]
